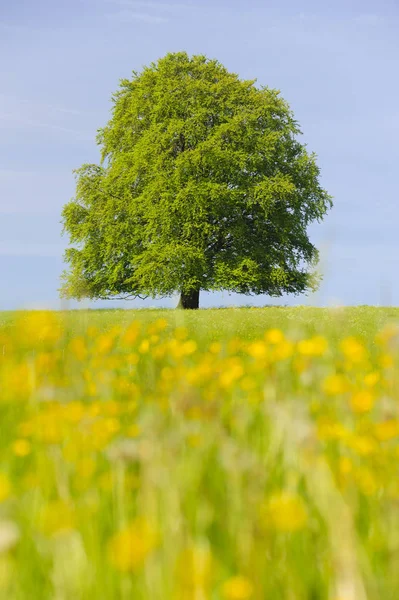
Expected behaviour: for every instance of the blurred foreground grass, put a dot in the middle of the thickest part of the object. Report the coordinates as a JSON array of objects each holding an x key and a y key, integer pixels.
[{"x": 235, "y": 454}]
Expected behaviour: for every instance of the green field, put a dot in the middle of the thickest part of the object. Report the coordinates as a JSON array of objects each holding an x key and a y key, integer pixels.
[
  {"x": 221, "y": 454},
  {"x": 248, "y": 323}
]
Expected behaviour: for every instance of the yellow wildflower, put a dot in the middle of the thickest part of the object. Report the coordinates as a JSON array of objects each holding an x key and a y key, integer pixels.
[
  {"x": 331, "y": 430},
  {"x": 315, "y": 346},
  {"x": 5, "y": 487},
  {"x": 129, "y": 548},
  {"x": 144, "y": 347},
  {"x": 386, "y": 361},
  {"x": 86, "y": 467},
  {"x": 387, "y": 430},
  {"x": 42, "y": 325},
  {"x": 131, "y": 333},
  {"x": 215, "y": 347},
  {"x": 74, "y": 411},
  {"x": 285, "y": 512},
  {"x": 78, "y": 348},
  {"x": 258, "y": 350},
  {"x": 334, "y": 385},
  {"x": 21, "y": 447},
  {"x": 233, "y": 371},
  {"x": 56, "y": 517},
  {"x": 160, "y": 325},
  {"x": 111, "y": 408},
  {"x": 274, "y": 336},
  {"x": 104, "y": 343},
  {"x": 363, "y": 445},
  {"x": 371, "y": 379},
  {"x": 237, "y": 588},
  {"x": 362, "y": 401},
  {"x": 194, "y": 570},
  {"x": 283, "y": 350},
  {"x": 353, "y": 349},
  {"x": 188, "y": 347},
  {"x": 345, "y": 465}
]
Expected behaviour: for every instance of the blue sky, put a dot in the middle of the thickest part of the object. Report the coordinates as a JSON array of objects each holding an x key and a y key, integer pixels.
[{"x": 334, "y": 62}]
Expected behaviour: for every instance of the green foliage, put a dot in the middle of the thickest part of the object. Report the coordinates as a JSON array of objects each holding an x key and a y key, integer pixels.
[{"x": 203, "y": 185}]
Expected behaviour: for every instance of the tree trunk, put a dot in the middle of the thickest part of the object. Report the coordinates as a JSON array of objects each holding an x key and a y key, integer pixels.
[{"x": 189, "y": 300}]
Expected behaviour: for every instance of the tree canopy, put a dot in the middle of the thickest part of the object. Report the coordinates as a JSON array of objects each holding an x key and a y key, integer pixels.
[{"x": 202, "y": 185}]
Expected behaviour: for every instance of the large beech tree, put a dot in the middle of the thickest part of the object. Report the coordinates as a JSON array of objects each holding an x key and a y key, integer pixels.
[{"x": 202, "y": 185}]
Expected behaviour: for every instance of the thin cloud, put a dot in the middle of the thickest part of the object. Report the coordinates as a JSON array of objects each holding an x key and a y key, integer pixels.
[
  {"x": 14, "y": 28},
  {"x": 31, "y": 249},
  {"x": 369, "y": 19},
  {"x": 165, "y": 6},
  {"x": 42, "y": 105},
  {"x": 126, "y": 16},
  {"x": 10, "y": 119}
]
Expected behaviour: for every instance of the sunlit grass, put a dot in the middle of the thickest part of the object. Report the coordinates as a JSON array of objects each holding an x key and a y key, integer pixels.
[{"x": 224, "y": 454}]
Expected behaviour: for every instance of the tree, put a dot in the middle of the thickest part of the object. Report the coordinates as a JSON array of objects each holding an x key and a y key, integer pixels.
[{"x": 202, "y": 185}]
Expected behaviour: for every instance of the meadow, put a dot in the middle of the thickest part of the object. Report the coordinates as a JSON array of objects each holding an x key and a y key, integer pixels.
[{"x": 224, "y": 454}]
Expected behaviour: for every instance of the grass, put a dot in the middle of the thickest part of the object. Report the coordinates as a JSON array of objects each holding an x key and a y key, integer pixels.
[{"x": 230, "y": 454}]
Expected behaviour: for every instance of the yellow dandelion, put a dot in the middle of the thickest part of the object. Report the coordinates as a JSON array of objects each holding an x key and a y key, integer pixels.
[
  {"x": 131, "y": 334},
  {"x": 160, "y": 324},
  {"x": 258, "y": 350},
  {"x": 387, "y": 430},
  {"x": 144, "y": 347},
  {"x": 85, "y": 467},
  {"x": 21, "y": 447},
  {"x": 331, "y": 430},
  {"x": 74, "y": 411},
  {"x": 334, "y": 385},
  {"x": 371, "y": 379},
  {"x": 386, "y": 361},
  {"x": 274, "y": 336},
  {"x": 285, "y": 512},
  {"x": 5, "y": 487},
  {"x": 283, "y": 350},
  {"x": 215, "y": 348},
  {"x": 129, "y": 549},
  {"x": 194, "y": 570},
  {"x": 315, "y": 346},
  {"x": 104, "y": 343},
  {"x": 42, "y": 325},
  {"x": 233, "y": 371},
  {"x": 363, "y": 445},
  {"x": 362, "y": 401},
  {"x": 111, "y": 408},
  {"x": 78, "y": 348},
  {"x": 237, "y": 588},
  {"x": 188, "y": 347},
  {"x": 345, "y": 465},
  {"x": 353, "y": 349},
  {"x": 56, "y": 518}
]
